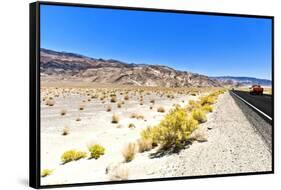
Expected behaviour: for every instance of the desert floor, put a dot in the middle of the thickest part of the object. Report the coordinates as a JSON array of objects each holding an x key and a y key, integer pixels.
[{"x": 233, "y": 144}]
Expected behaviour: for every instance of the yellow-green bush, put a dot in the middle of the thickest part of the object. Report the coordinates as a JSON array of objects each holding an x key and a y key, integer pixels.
[
  {"x": 72, "y": 155},
  {"x": 207, "y": 100},
  {"x": 207, "y": 108},
  {"x": 46, "y": 172},
  {"x": 96, "y": 151},
  {"x": 199, "y": 115},
  {"x": 173, "y": 130}
]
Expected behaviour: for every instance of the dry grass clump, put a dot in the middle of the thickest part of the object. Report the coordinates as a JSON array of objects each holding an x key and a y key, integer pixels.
[
  {"x": 119, "y": 105},
  {"x": 96, "y": 151},
  {"x": 117, "y": 172},
  {"x": 115, "y": 118},
  {"x": 108, "y": 109},
  {"x": 144, "y": 144},
  {"x": 72, "y": 155},
  {"x": 126, "y": 97},
  {"x": 81, "y": 107},
  {"x": 50, "y": 102},
  {"x": 131, "y": 125},
  {"x": 113, "y": 99},
  {"x": 65, "y": 131},
  {"x": 199, "y": 115},
  {"x": 136, "y": 116},
  {"x": 161, "y": 109},
  {"x": 63, "y": 112},
  {"x": 46, "y": 172},
  {"x": 129, "y": 152},
  {"x": 193, "y": 93}
]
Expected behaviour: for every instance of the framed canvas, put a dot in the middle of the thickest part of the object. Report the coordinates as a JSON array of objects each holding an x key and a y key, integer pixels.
[{"x": 126, "y": 94}]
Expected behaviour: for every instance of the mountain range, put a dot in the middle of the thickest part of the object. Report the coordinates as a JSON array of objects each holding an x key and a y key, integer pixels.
[
  {"x": 242, "y": 81},
  {"x": 65, "y": 66}
]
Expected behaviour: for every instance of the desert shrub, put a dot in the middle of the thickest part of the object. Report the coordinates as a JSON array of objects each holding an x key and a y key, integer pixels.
[
  {"x": 50, "y": 102},
  {"x": 129, "y": 152},
  {"x": 72, "y": 155},
  {"x": 115, "y": 119},
  {"x": 141, "y": 103},
  {"x": 117, "y": 172},
  {"x": 173, "y": 130},
  {"x": 108, "y": 109},
  {"x": 161, "y": 109},
  {"x": 151, "y": 107},
  {"x": 133, "y": 115},
  {"x": 207, "y": 108},
  {"x": 199, "y": 115},
  {"x": 63, "y": 112},
  {"x": 152, "y": 101},
  {"x": 131, "y": 125},
  {"x": 65, "y": 131},
  {"x": 150, "y": 134},
  {"x": 96, "y": 150},
  {"x": 193, "y": 105},
  {"x": 119, "y": 105},
  {"x": 140, "y": 117},
  {"x": 78, "y": 119},
  {"x": 80, "y": 154},
  {"x": 126, "y": 97},
  {"x": 207, "y": 100},
  {"x": 81, "y": 107},
  {"x": 46, "y": 172},
  {"x": 113, "y": 99},
  {"x": 144, "y": 144},
  {"x": 193, "y": 93},
  {"x": 136, "y": 116}
]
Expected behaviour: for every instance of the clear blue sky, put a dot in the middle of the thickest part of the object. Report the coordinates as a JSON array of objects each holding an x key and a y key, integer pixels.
[{"x": 210, "y": 45}]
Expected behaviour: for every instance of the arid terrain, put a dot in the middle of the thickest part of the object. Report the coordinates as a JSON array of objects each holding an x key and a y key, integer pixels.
[
  {"x": 75, "y": 118},
  {"x": 107, "y": 120}
]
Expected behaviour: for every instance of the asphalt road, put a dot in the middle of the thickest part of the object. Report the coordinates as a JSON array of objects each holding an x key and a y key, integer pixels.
[
  {"x": 262, "y": 102},
  {"x": 261, "y": 123}
]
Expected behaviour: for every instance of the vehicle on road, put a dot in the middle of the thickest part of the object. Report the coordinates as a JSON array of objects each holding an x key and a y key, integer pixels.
[{"x": 256, "y": 90}]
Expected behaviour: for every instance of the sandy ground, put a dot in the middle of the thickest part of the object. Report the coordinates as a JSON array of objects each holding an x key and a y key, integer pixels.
[
  {"x": 233, "y": 146},
  {"x": 95, "y": 127}
]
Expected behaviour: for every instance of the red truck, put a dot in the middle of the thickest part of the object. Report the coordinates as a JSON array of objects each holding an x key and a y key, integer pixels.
[{"x": 256, "y": 89}]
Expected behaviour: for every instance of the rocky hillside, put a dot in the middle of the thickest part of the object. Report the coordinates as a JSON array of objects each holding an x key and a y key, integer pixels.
[{"x": 73, "y": 67}]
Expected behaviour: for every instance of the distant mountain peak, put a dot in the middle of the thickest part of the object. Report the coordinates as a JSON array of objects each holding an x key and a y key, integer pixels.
[{"x": 75, "y": 67}]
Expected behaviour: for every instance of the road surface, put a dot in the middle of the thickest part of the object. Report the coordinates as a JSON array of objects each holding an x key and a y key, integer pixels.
[{"x": 262, "y": 102}]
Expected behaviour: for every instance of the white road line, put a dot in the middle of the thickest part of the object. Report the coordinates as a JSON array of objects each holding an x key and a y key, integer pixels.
[{"x": 252, "y": 106}]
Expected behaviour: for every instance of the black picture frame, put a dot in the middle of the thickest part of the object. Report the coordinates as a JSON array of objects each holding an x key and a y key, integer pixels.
[{"x": 34, "y": 92}]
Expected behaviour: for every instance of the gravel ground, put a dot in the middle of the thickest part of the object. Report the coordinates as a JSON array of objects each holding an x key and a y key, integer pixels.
[{"x": 234, "y": 146}]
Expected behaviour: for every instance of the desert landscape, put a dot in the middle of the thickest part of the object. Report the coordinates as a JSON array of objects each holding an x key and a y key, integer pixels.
[{"x": 105, "y": 120}]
